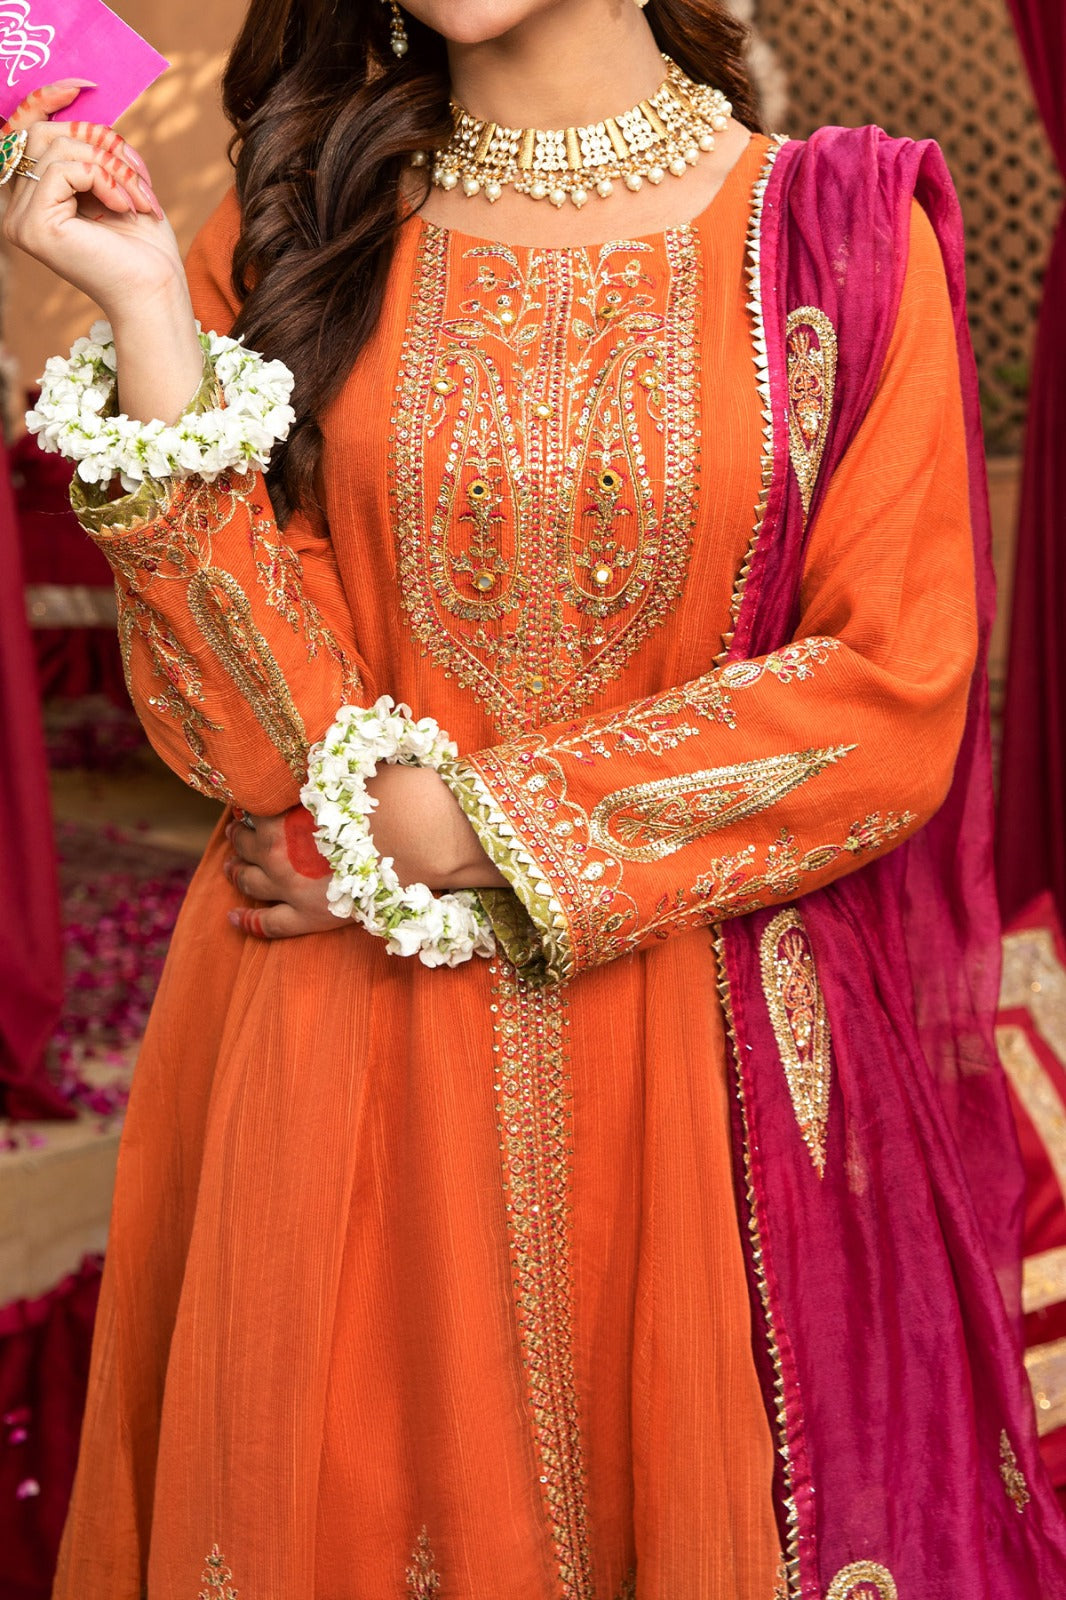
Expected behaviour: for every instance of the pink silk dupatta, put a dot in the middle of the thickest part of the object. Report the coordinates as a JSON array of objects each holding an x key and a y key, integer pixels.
[{"x": 891, "y": 1366}]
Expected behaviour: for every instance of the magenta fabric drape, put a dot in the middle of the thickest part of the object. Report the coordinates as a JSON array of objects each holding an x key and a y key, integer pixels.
[
  {"x": 1031, "y": 829},
  {"x": 31, "y": 951}
]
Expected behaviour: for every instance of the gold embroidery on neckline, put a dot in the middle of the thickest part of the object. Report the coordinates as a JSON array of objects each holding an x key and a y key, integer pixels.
[
  {"x": 796, "y": 1004},
  {"x": 544, "y": 401},
  {"x": 811, "y": 359}
]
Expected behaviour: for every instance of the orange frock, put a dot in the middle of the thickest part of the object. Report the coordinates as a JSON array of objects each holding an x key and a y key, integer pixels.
[{"x": 429, "y": 1282}]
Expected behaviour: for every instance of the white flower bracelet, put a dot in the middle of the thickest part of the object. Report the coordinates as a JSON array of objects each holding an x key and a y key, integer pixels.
[
  {"x": 75, "y": 415},
  {"x": 442, "y": 930}
]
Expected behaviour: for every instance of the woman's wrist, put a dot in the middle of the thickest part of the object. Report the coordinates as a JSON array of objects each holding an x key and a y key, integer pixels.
[{"x": 157, "y": 348}]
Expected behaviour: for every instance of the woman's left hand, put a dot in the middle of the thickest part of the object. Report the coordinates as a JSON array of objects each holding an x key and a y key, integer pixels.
[
  {"x": 276, "y": 860},
  {"x": 418, "y": 824}
]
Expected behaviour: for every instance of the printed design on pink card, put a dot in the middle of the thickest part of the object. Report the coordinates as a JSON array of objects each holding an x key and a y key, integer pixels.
[{"x": 24, "y": 46}]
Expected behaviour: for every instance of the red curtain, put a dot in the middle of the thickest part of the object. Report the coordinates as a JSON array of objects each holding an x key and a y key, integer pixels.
[
  {"x": 31, "y": 952},
  {"x": 1031, "y": 839}
]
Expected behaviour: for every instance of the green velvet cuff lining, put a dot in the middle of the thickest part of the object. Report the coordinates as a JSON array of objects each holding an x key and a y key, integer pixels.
[
  {"x": 104, "y": 516},
  {"x": 529, "y": 923}
]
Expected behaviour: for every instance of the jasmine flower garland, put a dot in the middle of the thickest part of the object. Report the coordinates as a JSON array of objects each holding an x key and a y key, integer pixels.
[
  {"x": 441, "y": 930},
  {"x": 75, "y": 416}
]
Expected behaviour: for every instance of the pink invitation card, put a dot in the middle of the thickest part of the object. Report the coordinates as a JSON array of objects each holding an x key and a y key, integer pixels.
[{"x": 42, "y": 41}]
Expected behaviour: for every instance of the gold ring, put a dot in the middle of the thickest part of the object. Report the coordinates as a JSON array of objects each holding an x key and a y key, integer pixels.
[{"x": 25, "y": 170}]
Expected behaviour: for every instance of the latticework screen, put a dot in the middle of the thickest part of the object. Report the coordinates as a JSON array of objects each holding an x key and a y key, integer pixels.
[{"x": 952, "y": 71}]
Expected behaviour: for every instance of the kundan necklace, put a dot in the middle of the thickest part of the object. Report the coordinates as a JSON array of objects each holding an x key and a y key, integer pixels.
[{"x": 666, "y": 134}]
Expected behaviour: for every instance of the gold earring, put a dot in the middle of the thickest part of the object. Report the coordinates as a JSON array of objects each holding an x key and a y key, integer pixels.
[{"x": 397, "y": 29}]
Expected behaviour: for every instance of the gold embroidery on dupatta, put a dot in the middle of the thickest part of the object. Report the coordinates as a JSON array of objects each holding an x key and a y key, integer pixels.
[
  {"x": 1038, "y": 1094},
  {"x": 1012, "y": 1474},
  {"x": 863, "y": 1580},
  {"x": 811, "y": 356},
  {"x": 217, "y": 1576},
  {"x": 532, "y": 1088},
  {"x": 796, "y": 1004},
  {"x": 545, "y": 453},
  {"x": 649, "y": 821},
  {"x": 423, "y": 1579},
  {"x": 1044, "y": 1279}
]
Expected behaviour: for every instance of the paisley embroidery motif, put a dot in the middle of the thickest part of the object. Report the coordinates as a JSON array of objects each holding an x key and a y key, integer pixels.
[
  {"x": 423, "y": 1579},
  {"x": 811, "y": 350},
  {"x": 545, "y": 399},
  {"x": 650, "y": 821},
  {"x": 863, "y": 1580},
  {"x": 1012, "y": 1474},
  {"x": 796, "y": 1005}
]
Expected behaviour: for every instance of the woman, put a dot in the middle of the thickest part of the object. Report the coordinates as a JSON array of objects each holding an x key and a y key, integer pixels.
[{"x": 656, "y": 1255}]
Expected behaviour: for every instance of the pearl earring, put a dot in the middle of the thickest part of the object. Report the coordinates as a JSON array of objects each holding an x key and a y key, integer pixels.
[{"x": 398, "y": 30}]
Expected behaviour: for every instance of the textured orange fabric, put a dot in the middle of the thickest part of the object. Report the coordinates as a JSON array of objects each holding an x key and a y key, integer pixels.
[{"x": 429, "y": 1282}]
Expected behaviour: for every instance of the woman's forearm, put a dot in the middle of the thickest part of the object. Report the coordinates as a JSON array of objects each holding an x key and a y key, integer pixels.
[{"x": 160, "y": 363}]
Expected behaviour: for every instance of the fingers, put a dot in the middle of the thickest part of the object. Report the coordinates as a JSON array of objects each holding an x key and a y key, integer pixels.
[
  {"x": 44, "y": 103},
  {"x": 118, "y": 158},
  {"x": 270, "y": 922},
  {"x": 125, "y": 180},
  {"x": 252, "y": 882}
]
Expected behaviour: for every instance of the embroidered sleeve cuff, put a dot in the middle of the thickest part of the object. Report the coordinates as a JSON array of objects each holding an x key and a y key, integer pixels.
[
  {"x": 529, "y": 924},
  {"x": 103, "y": 517}
]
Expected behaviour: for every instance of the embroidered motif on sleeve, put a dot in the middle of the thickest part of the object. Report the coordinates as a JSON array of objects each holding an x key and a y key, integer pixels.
[
  {"x": 423, "y": 1579},
  {"x": 863, "y": 1580},
  {"x": 180, "y": 685},
  {"x": 217, "y": 1578},
  {"x": 796, "y": 1004},
  {"x": 221, "y": 611},
  {"x": 650, "y": 821},
  {"x": 811, "y": 354},
  {"x": 1012, "y": 1474}
]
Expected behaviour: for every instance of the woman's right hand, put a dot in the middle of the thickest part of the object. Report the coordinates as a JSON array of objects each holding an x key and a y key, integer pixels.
[{"x": 92, "y": 216}]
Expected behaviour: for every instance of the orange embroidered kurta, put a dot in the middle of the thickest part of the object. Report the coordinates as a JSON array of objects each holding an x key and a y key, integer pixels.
[{"x": 429, "y": 1282}]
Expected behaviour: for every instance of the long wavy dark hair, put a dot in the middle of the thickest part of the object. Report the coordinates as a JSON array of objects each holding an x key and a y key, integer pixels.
[{"x": 325, "y": 121}]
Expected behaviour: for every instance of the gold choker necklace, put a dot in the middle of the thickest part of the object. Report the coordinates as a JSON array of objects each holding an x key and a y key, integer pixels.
[{"x": 667, "y": 133}]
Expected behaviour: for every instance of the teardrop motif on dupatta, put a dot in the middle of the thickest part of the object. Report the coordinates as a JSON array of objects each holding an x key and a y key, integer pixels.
[
  {"x": 811, "y": 355},
  {"x": 796, "y": 1004},
  {"x": 863, "y": 1580}
]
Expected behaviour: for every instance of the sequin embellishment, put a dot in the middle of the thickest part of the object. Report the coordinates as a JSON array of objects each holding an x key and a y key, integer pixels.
[
  {"x": 811, "y": 349},
  {"x": 796, "y": 1004}
]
